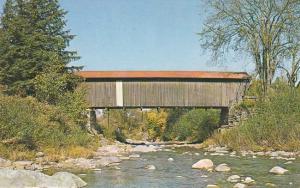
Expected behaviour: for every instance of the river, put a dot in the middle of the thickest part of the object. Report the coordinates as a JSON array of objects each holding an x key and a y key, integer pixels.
[{"x": 179, "y": 174}]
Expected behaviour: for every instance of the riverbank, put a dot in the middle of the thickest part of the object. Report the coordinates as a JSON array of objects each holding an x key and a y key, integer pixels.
[{"x": 112, "y": 155}]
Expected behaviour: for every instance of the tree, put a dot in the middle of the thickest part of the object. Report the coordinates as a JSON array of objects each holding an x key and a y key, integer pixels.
[
  {"x": 264, "y": 29},
  {"x": 51, "y": 85},
  {"x": 32, "y": 35},
  {"x": 292, "y": 68}
]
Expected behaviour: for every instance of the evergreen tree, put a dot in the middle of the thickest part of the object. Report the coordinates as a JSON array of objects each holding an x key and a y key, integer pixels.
[{"x": 32, "y": 38}]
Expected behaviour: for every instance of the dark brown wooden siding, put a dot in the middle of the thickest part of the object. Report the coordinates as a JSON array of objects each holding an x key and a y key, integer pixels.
[
  {"x": 166, "y": 93},
  {"x": 101, "y": 94}
]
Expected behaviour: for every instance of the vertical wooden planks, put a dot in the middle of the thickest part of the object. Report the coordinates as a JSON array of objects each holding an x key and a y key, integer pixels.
[{"x": 165, "y": 93}]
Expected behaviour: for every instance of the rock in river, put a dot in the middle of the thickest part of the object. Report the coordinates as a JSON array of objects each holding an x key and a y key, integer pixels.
[
  {"x": 206, "y": 164},
  {"x": 249, "y": 180},
  {"x": 222, "y": 168},
  {"x": 234, "y": 178},
  {"x": 144, "y": 148},
  {"x": 170, "y": 159},
  {"x": 212, "y": 186},
  {"x": 150, "y": 167},
  {"x": 278, "y": 170},
  {"x": 134, "y": 156},
  {"x": 105, "y": 161},
  {"x": 26, "y": 178},
  {"x": 239, "y": 185}
]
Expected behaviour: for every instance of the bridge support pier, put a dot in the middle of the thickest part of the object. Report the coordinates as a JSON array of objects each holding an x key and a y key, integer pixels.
[
  {"x": 224, "y": 116},
  {"x": 92, "y": 121}
]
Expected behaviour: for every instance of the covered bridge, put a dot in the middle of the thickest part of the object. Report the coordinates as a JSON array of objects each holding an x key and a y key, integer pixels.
[
  {"x": 152, "y": 89},
  {"x": 165, "y": 89}
]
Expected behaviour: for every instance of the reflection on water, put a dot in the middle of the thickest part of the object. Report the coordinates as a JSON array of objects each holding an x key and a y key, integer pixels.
[{"x": 179, "y": 173}]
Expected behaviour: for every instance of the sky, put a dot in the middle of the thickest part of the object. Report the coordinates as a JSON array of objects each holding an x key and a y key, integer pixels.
[{"x": 142, "y": 35}]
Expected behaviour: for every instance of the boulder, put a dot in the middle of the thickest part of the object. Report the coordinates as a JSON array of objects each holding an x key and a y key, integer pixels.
[
  {"x": 136, "y": 142},
  {"x": 216, "y": 154},
  {"x": 270, "y": 185},
  {"x": 22, "y": 165},
  {"x": 289, "y": 162},
  {"x": 170, "y": 159},
  {"x": 5, "y": 163},
  {"x": 234, "y": 178},
  {"x": 144, "y": 148},
  {"x": 222, "y": 168},
  {"x": 124, "y": 158},
  {"x": 81, "y": 163},
  {"x": 105, "y": 161},
  {"x": 26, "y": 178},
  {"x": 212, "y": 186},
  {"x": 134, "y": 156},
  {"x": 278, "y": 170},
  {"x": 66, "y": 179},
  {"x": 150, "y": 167},
  {"x": 109, "y": 150},
  {"x": 206, "y": 164},
  {"x": 239, "y": 185},
  {"x": 249, "y": 180},
  {"x": 85, "y": 163}
]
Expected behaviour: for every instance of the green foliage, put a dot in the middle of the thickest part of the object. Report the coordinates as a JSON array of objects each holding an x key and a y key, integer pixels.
[
  {"x": 196, "y": 125},
  {"x": 275, "y": 123},
  {"x": 156, "y": 124},
  {"x": 74, "y": 105},
  {"x": 123, "y": 124},
  {"x": 27, "y": 123},
  {"x": 167, "y": 125},
  {"x": 52, "y": 83},
  {"x": 32, "y": 37},
  {"x": 57, "y": 87},
  {"x": 33, "y": 62},
  {"x": 173, "y": 116}
]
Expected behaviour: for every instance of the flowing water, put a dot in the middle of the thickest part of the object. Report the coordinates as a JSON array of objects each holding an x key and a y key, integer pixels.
[{"x": 179, "y": 174}]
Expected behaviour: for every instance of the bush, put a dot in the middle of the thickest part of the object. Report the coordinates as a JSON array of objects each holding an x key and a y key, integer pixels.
[
  {"x": 196, "y": 125},
  {"x": 56, "y": 86},
  {"x": 275, "y": 123},
  {"x": 29, "y": 125},
  {"x": 156, "y": 124},
  {"x": 123, "y": 124}
]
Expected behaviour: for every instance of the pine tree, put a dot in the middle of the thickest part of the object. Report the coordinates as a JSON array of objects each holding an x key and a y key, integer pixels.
[{"x": 32, "y": 38}]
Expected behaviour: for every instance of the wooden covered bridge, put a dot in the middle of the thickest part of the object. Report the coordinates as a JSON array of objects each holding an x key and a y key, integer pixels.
[{"x": 164, "y": 89}]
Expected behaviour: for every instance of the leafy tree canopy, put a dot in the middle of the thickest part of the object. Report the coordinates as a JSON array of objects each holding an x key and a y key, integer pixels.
[{"x": 267, "y": 30}]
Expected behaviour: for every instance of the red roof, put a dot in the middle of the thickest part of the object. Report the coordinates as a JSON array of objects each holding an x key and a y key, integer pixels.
[{"x": 164, "y": 74}]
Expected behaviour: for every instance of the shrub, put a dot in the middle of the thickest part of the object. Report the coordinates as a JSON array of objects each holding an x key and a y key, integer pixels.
[
  {"x": 27, "y": 125},
  {"x": 156, "y": 124},
  {"x": 275, "y": 123},
  {"x": 123, "y": 124},
  {"x": 56, "y": 86},
  {"x": 196, "y": 125}
]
